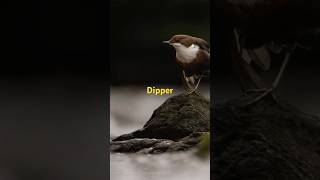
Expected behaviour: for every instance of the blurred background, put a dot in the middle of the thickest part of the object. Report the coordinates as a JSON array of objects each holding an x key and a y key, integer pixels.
[
  {"x": 138, "y": 59},
  {"x": 138, "y": 28},
  {"x": 53, "y": 90}
]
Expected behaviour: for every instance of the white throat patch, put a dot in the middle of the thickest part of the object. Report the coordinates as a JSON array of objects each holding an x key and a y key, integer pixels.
[{"x": 185, "y": 54}]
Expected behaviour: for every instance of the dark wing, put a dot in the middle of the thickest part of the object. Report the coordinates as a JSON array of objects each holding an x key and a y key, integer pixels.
[
  {"x": 259, "y": 56},
  {"x": 202, "y": 44}
]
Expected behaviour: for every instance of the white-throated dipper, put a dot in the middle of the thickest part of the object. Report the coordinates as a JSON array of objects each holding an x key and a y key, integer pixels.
[
  {"x": 260, "y": 33},
  {"x": 193, "y": 57}
]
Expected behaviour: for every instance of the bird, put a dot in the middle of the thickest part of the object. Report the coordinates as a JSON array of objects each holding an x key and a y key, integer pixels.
[
  {"x": 260, "y": 30},
  {"x": 192, "y": 58}
]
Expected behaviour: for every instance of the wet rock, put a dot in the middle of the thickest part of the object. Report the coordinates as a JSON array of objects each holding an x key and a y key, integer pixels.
[
  {"x": 155, "y": 146},
  {"x": 174, "y": 126},
  {"x": 268, "y": 140},
  {"x": 176, "y": 118},
  {"x": 133, "y": 145}
]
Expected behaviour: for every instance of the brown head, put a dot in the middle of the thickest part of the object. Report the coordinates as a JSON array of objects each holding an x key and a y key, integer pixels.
[
  {"x": 186, "y": 41},
  {"x": 182, "y": 39}
]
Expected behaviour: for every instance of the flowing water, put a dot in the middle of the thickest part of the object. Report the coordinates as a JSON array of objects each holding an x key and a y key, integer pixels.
[{"x": 131, "y": 107}]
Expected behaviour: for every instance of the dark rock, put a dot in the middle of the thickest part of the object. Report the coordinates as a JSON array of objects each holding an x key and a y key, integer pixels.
[
  {"x": 175, "y": 126},
  {"x": 155, "y": 146},
  {"x": 177, "y": 117},
  {"x": 268, "y": 140},
  {"x": 133, "y": 145}
]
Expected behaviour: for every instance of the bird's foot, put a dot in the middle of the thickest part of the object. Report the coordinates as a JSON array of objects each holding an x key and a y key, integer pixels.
[
  {"x": 264, "y": 93},
  {"x": 249, "y": 91},
  {"x": 190, "y": 91}
]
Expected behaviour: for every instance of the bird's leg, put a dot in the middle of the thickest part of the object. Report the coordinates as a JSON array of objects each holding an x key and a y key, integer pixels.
[
  {"x": 186, "y": 81},
  {"x": 196, "y": 87},
  {"x": 277, "y": 80},
  {"x": 283, "y": 66},
  {"x": 198, "y": 83},
  {"x": 248, "y": 76}
]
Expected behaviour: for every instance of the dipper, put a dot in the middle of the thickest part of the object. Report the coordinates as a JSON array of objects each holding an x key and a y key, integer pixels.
[{"x": 192, "y": 57}]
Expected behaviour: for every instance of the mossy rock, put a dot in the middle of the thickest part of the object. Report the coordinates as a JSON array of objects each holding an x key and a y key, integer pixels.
[
  {"x": 178, "y": 117},
  {"x": 267, "y": 140}
]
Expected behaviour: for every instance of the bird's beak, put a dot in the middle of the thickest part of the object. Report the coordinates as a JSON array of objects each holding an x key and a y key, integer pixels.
[{"x": 166, "y": 42}]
